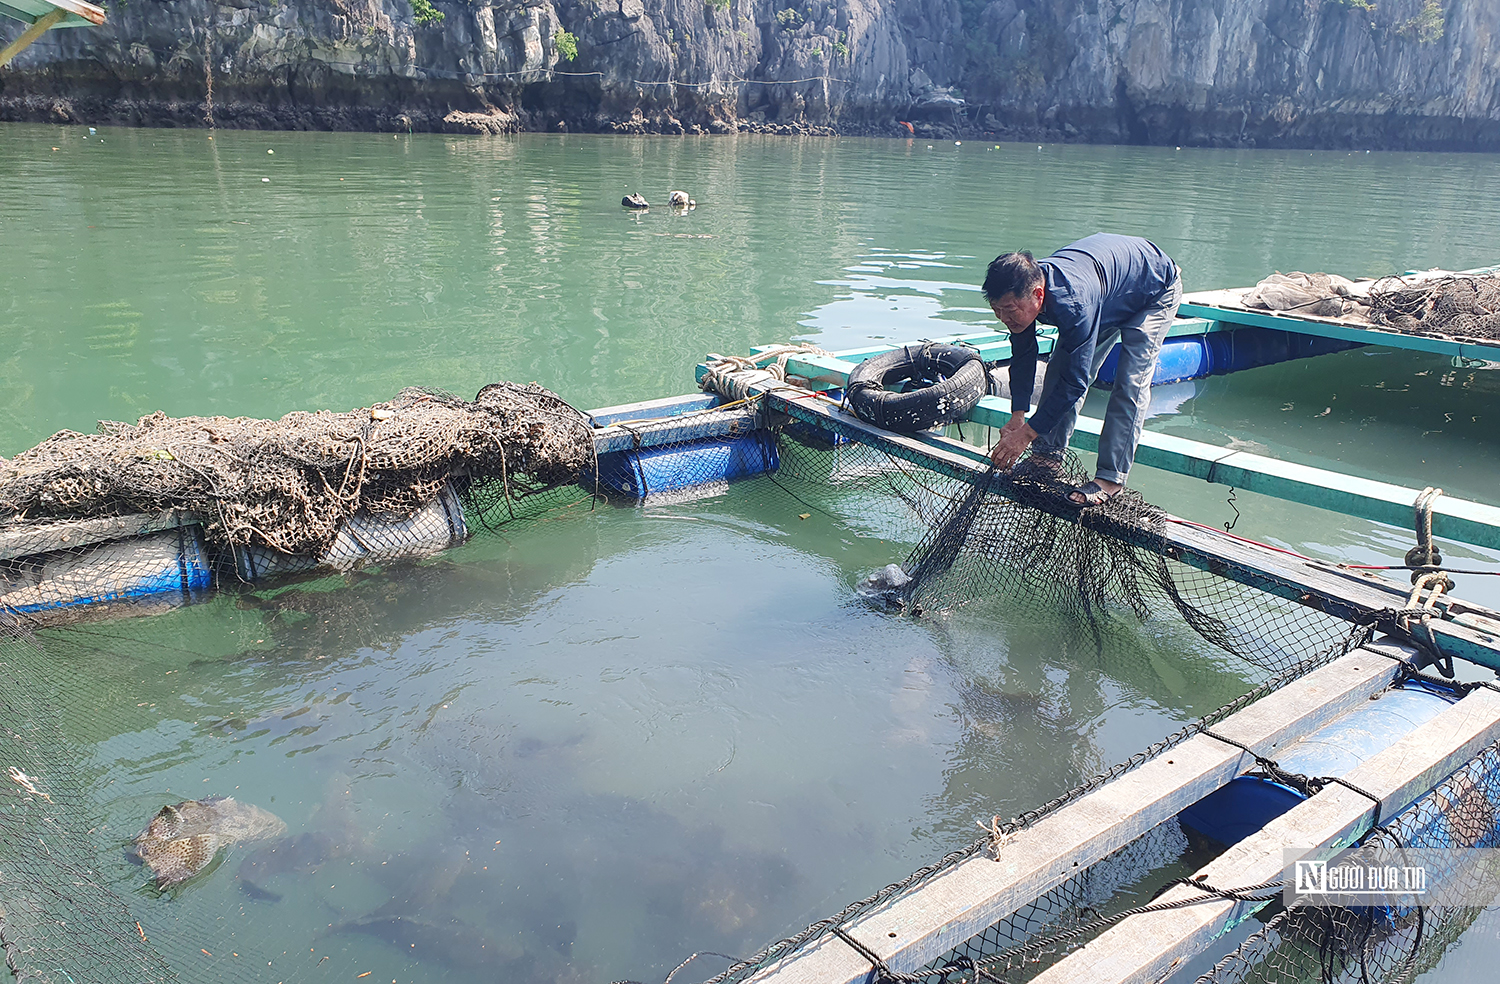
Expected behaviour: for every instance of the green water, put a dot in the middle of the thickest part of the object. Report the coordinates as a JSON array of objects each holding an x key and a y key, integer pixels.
[{"x": 600, "y": 743}]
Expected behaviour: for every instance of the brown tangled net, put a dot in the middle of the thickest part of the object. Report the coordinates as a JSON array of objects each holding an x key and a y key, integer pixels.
[
  {"x": 1464, "y": 306},
  {"x": 289, "y": 484}
]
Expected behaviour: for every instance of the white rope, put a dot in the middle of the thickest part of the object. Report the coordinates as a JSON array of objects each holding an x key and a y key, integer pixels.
[{"x": 732, "y": 377}]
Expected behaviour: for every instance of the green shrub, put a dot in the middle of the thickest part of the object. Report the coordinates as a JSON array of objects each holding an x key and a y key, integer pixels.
[
  {"x": 722, "y": 5},
  {"x": 426, "y": 13},
  {"x": 567, "y": 44},
  {"x": 1427, "y": 27},
  {"x": 789, "y": 19}
]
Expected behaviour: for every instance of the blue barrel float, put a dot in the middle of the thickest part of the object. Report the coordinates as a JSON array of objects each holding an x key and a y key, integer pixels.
[
  {"x": 1246, "y": 804},
  {"x": 168, "y": 567},
  {"x": 1220, "y": 352},
  {"x": 640, "y": 473}
]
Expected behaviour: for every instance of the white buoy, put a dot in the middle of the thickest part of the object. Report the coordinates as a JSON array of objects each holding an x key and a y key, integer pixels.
[
  {"x": 958, "y": 143},
  {"x": 270, "y": 151},
  {"x": 266, "y": 180}
]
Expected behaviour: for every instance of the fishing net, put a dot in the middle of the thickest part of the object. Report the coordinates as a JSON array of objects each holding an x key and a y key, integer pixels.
[
  {"x": 290, "y": 484},
  {"x": 1456, "y": 306},
  {"x": 1384, "y": 944},
  {"x": 1005, "y": 537},
  {"x": 58, "y": 923},
  {"x": 981, "y": 548}
]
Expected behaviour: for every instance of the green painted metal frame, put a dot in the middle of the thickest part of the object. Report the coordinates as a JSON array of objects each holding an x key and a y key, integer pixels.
[
  {"x": 991, "y": 346},
  {"x": 30, "y": 11},
  {"x": 1324, "y": 329},
  {"x": 1457, "y": 519},
  {"x": 1324, "y": 587}
]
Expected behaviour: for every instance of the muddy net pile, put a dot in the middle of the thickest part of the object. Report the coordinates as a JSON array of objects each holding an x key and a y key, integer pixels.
[
  {"x": 289, "y": 485},
  {"x": 1456, "y": 306}
]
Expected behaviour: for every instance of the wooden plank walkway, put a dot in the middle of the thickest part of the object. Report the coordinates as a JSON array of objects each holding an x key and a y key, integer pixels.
[
  {"x": 976, "y": 893},
  {"x": 25, "y": 541},
  {"x": 1227, "y": 306},
  {"x": 1148, "y": 947}
]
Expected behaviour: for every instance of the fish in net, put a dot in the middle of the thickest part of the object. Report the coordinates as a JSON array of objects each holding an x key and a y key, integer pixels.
[{"x": 1018, "y": 535}]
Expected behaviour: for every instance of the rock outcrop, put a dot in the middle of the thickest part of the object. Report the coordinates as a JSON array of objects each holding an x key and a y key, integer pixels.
[{"x": 1395, "y": 73}]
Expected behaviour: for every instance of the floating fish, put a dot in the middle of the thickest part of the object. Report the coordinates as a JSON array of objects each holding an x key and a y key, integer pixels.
[
  {"x": 887, "y": 584},
  {"x": 447, "y": 941},
  {"x": 182, "y": 839}
]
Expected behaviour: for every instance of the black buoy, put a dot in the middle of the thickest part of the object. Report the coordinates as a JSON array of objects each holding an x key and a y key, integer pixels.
[{"x": 634, "y": 200}]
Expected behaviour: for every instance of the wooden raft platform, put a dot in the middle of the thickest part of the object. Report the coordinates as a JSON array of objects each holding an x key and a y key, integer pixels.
[
  {"x": 1227, "y": 307},
  {"x": 942, "y": 913}
]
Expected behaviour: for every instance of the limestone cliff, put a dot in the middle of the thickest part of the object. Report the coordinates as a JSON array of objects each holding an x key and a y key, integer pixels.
[{"x": 1384, "y": 73}]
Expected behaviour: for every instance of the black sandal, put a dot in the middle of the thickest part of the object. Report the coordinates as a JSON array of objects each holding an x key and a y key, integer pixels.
[{"x": 1093, "y": 495}]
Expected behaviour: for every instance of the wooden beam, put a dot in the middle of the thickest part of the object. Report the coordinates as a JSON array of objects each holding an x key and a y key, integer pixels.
[
  {"x": 974, "y": 894},
  {"x": 670, "y": 406},
  {"x": 69, "y": 534},
  {"x": 624, "y": 434},
  {"x": 1457, "y": 519},
  {"x": 38, "y": 27},
  {"x": 1329, "y": 328},
  {"x": 1320, "y": 586},
  {"x": 88, "y": 11},
  {"x": 1150, "y": 946}
]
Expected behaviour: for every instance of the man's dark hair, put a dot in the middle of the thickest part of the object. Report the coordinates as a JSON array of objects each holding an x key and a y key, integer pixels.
[{"x": 1011, "y": 273}]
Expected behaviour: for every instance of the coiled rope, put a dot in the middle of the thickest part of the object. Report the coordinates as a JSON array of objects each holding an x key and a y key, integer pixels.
[{"x": 733, "y": 376}]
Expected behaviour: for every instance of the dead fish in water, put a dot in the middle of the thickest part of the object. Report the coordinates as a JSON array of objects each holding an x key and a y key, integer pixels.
[
  {"x": 307, "y": 852},
  {"x": 887, "y": 584},
  {"x": 448, "y": 941},
  {"x": 182, "y": 839}
]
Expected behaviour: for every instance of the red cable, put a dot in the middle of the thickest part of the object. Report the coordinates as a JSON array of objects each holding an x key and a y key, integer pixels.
[{"x": 1242, "y": 539}]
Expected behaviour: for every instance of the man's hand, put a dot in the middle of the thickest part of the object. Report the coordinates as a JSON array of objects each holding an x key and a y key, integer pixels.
[
  {"x": 1016, "y": 420},
  {"x": 1014, "y": 440}
]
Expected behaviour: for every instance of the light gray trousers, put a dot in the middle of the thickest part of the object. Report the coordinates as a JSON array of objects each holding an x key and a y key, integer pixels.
[{"x": 1140, "y": 343}]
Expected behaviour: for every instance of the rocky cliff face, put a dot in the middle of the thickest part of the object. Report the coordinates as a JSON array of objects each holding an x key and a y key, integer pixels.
[{"x": 1400, "y": 73}]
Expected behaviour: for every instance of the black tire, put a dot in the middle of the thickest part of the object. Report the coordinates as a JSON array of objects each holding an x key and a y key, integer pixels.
[{"x": 944, "y": 382}]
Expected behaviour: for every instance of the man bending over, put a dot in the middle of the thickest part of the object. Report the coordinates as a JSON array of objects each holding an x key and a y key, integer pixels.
[{"x": 1096, "y": 290}]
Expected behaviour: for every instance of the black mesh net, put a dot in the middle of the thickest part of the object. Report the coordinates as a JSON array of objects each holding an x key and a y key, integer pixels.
[
  {"x": 977, "y": 551},
  {"x": 58, "y": 924},
  {"x": 1385, "y": 944},
  {"x": 1448, "y": 307}
]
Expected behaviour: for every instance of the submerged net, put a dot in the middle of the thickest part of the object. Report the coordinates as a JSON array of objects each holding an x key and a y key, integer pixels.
[
  {"x": 1000, "y": 545},
  {"x": 58, "y": 923},
  {"x": 290, "y": 484},
  {"x": 1457, "y": 306},
  {"x": 1017, "y": 538}
]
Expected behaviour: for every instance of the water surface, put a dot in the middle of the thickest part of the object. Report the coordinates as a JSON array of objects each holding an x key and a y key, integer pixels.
[{"x": 595, "y": 744}]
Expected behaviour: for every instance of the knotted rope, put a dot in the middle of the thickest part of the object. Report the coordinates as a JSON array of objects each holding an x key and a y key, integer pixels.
[{"x": 734, "y": 376}]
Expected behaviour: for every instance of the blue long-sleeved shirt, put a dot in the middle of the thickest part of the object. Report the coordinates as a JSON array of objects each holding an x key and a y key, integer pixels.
[{"x": 1100, "y": 281}]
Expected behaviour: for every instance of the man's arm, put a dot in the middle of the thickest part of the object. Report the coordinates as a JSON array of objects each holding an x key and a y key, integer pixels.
[
  {"x": 1023, "y": 353},
  {"x": 1073, "y": 355}
]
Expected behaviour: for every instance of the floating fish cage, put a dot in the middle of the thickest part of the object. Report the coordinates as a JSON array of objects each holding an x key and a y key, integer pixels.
[{"x": 1169, "y": 863}]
